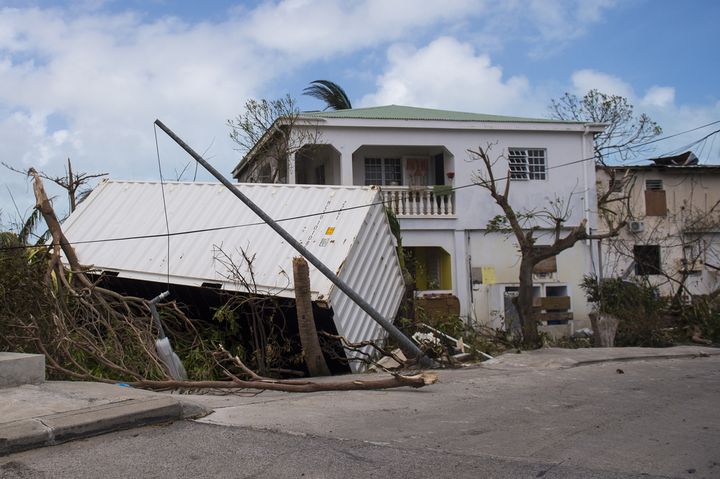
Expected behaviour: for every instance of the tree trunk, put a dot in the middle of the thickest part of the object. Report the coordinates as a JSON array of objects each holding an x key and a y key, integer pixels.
[
  {"x": 59, "y": 238},
  {"x": 298, "y": 386},
  {"x": 306, "y": 321},
  {"x": 72, "y": 187},
  {"x": 525, "y": 310}
]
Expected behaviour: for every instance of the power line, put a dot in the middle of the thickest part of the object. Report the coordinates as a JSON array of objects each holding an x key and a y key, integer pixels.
[
  {"x": 162, "y": 189},
  {"x": 338, "y": 210}
]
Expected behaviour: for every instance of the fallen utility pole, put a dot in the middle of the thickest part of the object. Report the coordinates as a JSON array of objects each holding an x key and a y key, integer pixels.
[{"x": 411, "y": 350}]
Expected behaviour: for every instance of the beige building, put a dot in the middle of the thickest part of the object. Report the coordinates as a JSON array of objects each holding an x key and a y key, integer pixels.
[{"x": 672, "y": 238}]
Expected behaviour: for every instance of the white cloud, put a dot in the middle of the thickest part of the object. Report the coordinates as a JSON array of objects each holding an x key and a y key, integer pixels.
[
  {"x": 318, "y": 29},
  {"x": 108, "y": 76},
  {"x": 547, "y": 26},
  {"x": 448, "y": 74},
  {"x": 659, "y": 96},
  {"x": 586, "y": 80},
  {"x": 655, "y": 96}
]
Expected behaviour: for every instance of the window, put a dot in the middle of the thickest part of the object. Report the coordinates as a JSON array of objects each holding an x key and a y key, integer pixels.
[
  {"x": 653, "y": 185},
  {"x": 617, "y": 185},
  {"x": 546, "y": 266},
  {"x": 647, "y": 259},
  {"x": 265, "y": 174},
  {"x": 527, "y": 164},
  {"x": 383, "y": 171}
]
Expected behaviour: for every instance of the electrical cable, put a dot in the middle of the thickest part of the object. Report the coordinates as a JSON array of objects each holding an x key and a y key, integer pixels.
[{"x": 162, "y": 189}]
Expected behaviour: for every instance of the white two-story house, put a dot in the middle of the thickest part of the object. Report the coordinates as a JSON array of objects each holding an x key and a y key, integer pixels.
[{"x": 419, "y": 159}]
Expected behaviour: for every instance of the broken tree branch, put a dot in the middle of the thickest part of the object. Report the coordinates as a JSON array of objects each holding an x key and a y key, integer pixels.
[{"x": 396, "y": 381}]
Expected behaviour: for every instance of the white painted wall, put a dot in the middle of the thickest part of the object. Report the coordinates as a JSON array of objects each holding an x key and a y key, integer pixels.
[
  {"x": 501, "y": 252},
  {"x": 562, "y": 147},
  {"x": 463, "y": 237}
]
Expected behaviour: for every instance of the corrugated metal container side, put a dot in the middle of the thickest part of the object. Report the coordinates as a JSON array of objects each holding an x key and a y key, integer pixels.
[
  {"x": 355, "y": 242},
  {"x": 373, "y": 270},
  {"x": 121, "y": 209}
]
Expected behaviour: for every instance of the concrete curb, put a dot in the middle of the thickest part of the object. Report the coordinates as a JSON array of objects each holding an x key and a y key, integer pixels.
[
  {"x": 556, "y": 358},
  {"x": 624, "y": 359},
  {"x": 91, "y": 421}
]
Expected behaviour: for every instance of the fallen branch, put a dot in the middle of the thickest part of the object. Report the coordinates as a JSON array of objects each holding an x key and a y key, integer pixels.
[{"x": 396, "y": 381}]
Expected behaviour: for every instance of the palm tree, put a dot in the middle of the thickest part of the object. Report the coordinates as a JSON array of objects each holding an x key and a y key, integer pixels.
[{"x": 331, "y": 93}]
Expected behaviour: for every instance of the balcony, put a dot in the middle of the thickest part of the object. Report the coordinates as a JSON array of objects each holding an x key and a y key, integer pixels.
[{"x": 419, "y": 201}]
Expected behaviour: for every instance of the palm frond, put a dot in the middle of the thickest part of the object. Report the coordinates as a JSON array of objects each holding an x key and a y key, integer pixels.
[
  {"x": 331, "y": 93},
  {"x": 29, "y": 226}
]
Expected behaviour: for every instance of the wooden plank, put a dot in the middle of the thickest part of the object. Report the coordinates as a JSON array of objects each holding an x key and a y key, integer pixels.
[
  {"x": 554, "y": 317},
  {"x": 435, "y": 309},
  {"x": 548, "y": 265},
  {"x": 554, "y": 302},
  {"x": 655, "y": 203}
]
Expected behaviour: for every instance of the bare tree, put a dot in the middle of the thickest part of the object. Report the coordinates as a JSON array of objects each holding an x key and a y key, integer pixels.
[
  {"x": 625, "y": 134},
  {"x": 525, "y": 224},
  {"x": 71, "y": 182},
  {"x": 267, "y": 134}
]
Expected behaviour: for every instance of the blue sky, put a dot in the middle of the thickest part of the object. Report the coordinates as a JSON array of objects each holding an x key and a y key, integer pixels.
[{"x": 86, "y": 79}]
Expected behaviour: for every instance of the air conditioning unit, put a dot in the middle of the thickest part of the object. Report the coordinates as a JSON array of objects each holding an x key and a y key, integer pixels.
[
  {"x": 636, "y": 226},
  {"x": 690, "y": 266}
]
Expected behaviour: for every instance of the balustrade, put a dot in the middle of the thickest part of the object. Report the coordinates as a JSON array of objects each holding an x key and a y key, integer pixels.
[{"x": 418, "y": 202}]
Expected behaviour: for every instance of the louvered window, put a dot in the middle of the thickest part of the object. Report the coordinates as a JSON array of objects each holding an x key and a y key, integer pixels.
[{"x": 527, "y": 164}]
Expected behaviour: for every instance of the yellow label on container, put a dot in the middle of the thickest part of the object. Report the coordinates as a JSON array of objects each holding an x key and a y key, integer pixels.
[{"x": 488, "y": 275}]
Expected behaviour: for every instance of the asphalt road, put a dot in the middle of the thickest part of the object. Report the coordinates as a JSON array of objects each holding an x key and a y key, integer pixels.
[{"x": 657, "y": 418}]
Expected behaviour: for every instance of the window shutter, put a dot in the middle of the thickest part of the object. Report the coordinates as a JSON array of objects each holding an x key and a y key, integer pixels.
[
  {"x": 548, "y": 265},
  {"x": 655, "y": 203}
]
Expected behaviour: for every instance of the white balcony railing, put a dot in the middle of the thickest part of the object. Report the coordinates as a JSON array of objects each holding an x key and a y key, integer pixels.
[{"x": 418, "y": 202}]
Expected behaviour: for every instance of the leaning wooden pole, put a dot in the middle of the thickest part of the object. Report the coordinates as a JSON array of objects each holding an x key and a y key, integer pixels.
[
  {"x": 306, "y": 321},
  {"x": 411, "y": 349}
]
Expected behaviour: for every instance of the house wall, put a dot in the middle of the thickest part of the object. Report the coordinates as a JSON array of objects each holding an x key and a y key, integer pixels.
[
  {"x": 322, "y": 155},
  {"x": 499, "y": 252},
  {"x": 463, "y": 236},
  {"x": 692, "y": 196},
  {"x": 574, "y": 182}
]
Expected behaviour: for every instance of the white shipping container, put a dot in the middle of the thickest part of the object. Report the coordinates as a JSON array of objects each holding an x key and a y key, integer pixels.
[{"x": 344, "y": 226}]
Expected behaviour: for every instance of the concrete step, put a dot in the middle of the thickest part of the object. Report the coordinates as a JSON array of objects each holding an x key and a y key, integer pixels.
[{"x": 20, "y": 368}]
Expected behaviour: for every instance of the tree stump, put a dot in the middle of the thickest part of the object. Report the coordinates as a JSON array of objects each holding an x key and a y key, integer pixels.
[{"x": 604, "y": 328}]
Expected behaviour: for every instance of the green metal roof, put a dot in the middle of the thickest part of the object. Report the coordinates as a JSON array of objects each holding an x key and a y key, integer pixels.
[{"x": 399, "y": 112}]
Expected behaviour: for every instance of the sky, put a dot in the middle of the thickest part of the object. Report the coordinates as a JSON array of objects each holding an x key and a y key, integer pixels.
[{"x": 86, "y": 79}]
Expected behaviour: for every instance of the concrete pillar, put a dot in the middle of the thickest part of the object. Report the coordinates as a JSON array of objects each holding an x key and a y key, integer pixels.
[
  {"x": 346, "y": 163},
  {"x": 291, "y": 169},
  {"x": 461, "y": 275}
]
